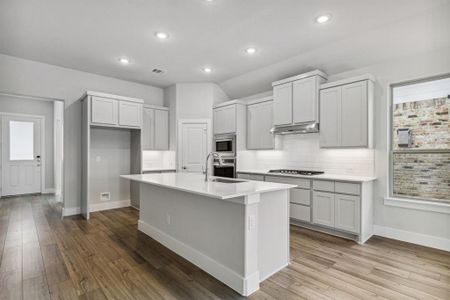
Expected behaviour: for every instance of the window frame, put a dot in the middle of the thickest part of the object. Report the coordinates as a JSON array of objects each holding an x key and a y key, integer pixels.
[{"x": 429, "y": 204}]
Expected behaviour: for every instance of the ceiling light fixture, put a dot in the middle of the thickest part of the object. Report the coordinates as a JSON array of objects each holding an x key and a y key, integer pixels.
[
  {"x": 207, "y": 70},
  {"x": 162, "y": 35},
  {"x": 124, "y": 60},
  {"x": 250, "y": 50},
  {"x": 323, "y": 19}
]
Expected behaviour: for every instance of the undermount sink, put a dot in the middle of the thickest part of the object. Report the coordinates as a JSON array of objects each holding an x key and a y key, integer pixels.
[{"x": 224, "y": 180}]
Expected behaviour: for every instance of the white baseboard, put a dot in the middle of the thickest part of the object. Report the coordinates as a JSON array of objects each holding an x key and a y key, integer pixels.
[
  {"x": 244, "y": 286},
  {"x": 71, "y": 211},
  {"x": 49, "y": 191},
  {"x": 108, "y": 205},
  {"x": 412, "y": 237}
]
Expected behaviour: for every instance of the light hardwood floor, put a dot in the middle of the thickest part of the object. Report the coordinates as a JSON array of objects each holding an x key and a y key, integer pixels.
[{"x": 42, "y": 257}]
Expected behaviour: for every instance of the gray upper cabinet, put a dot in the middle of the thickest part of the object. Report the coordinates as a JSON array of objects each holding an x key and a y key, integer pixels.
[
  {"x": 161, "y": 129},
  {"x": 282, "y": 104},
  {"x": 296, "y": 99},
  {"x": 116, "y": 112},
  {"x": 346, "y": 114},
  {"x": 259, "y": 123},
  {"x": 155, "y": 131},
  {"x": 225, "y": 119},
  {"x": 305, "y": 100}
]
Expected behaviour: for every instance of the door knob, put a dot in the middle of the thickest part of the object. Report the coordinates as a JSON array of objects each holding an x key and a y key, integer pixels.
[{"x": 184, "y": 168}]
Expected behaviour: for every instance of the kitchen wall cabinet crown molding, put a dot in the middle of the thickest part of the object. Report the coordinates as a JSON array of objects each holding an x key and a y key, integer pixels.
[
  {"x": 296, "y": 99},
  {"x": 111, "y": 96},
  {"x": 259, "y": 123},
  {"x": 346, "y": 110}
]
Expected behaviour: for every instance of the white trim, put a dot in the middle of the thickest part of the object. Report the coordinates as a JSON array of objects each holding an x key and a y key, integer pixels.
[
  {"x": 260, "y": 100},
  {"x": 108, "y": 205},
  {"x": 156, "y": 107},
  {"x": 244, "y": 286},
  {"x": 228, "y": 103},
  {"x": 418, "y": 204},
  {"x": 71, "y": 211},
  {"x": 412, "y": 237},
  {"x": 111, "y": 96},
  {"x": 274, "y": 272},
  {"x": 301, "y": 76},
  {"x": 368, "y": 77},
  {"x": 49, "y": 191},
  {"x": 43, "y": 154},
  {"x": 179, "y": 146}
]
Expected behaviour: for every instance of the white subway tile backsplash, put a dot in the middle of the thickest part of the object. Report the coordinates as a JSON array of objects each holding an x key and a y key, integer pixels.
[
  {"x": 158, "y": 159},
  {"x": 303, "y": 152}
]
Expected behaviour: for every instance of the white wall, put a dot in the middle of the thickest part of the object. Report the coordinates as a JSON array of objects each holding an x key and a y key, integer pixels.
[
  {"x": 58, "y": 129},
  {"x": 11, "y": 104},
  {"x": 19, "y": 76}
]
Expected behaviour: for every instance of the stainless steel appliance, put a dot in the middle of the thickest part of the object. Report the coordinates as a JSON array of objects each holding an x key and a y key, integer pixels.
[
  {"x": 296, "y": 172},
  {"x": 225, "y": 145}
]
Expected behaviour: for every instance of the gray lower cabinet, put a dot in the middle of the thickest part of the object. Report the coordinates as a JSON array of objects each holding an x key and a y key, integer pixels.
[
  {"x": 323, "y": 208},
  {"x": 339, "y": 211},
  {"x": 347, "y": 212}
]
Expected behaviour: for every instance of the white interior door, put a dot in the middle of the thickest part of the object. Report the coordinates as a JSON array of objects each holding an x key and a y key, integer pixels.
[
  {"x": 194, "y": 146},
  {"x": 21, "y": 155}
]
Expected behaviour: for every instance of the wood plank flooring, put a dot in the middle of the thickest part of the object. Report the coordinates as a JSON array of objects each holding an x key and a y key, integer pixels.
[{"x": 43, "y": 257}]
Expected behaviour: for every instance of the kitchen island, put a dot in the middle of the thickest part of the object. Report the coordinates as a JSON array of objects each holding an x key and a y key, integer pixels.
[{"x": 235, "y": 230}]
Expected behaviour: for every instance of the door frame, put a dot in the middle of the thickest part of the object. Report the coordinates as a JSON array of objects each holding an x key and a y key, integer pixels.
[
  {"x": 43, "y": 156},
  {"x": 181, "y": 122}
]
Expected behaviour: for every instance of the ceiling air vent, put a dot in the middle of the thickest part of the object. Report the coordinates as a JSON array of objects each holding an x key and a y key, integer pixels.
[{"x": 157, "y": 71}]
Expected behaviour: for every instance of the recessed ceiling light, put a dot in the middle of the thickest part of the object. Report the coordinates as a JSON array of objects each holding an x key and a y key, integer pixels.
[
  {"x": 207, "y": 70},
  {"x": 162, "y": 35},
  {"x": 124, "y": 60},
  {"x": 250, "y": 50},
  {"x": 323, "y": 18}
]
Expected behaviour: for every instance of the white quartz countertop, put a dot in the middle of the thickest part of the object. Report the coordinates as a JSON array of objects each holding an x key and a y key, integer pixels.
[
  {"x": 325, "y": 176},
  {"x": 196, "y": 184}
]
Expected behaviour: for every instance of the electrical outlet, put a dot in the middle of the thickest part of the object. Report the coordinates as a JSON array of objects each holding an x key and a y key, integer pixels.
[
  {"x": 106, "y": 196},
  {"x": 251, "y": 222},
  {"x": 168, "y": 219}
]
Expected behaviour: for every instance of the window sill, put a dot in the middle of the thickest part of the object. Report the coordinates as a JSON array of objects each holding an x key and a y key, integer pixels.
[{"x": 439, "y": 207}]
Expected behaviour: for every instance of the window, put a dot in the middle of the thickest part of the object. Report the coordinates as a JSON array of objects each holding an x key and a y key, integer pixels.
[
  {"x": 420, "y": 140},
  {"x": 21, "y": 140}
]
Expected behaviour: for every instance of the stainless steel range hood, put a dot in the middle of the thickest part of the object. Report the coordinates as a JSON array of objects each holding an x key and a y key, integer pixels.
[{"x": 296, "y": 129}]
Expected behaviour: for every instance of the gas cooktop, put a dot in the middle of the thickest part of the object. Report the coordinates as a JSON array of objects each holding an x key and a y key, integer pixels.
[{"x": 296, "y": 172}]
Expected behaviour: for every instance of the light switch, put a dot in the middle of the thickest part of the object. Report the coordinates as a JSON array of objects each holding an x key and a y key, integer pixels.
[
  {"x": 251, "y": 222},
  {"x": 98, "y": 159}
]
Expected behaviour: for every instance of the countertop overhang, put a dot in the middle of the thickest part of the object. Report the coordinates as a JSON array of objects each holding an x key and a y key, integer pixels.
[{"x": 195, "y": 183}]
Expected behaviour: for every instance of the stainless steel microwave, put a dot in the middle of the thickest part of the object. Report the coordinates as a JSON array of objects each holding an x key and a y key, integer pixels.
[{"x": 225, "y": 144}]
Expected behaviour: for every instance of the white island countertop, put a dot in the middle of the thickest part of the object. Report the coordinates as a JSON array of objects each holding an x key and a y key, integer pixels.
[{"x": 195, "y": 183}]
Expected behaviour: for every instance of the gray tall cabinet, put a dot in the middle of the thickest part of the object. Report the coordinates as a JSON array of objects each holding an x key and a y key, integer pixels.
[{"x": 111, "y": 146}]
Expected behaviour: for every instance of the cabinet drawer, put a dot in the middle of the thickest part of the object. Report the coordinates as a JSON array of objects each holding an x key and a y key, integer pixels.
[
  {"x": 300, "y": 182},
  {"x": 347, "y": 188},
  {"x": 300, "y": 212},
  {"x": 301, "y": 196},
  {"x": 322, "y": 185}
]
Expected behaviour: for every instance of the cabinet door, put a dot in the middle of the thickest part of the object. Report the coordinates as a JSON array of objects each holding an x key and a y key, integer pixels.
[
  {"x": 323, "y": 208},
  {"x": 259, "y": 123},
  {"x": 130, "y": 114},
  {"x": 354, "y": 115},
  {"x": 104, "y": 111},
  {"x": 282, "y": 104},
  {"x": 347, "y": 212},
  {"x": 161, "y": 129},
  {"x": 330, "y": 100},
  {"x": 148, "y": 129},
  {"x": 225, "y": 119},
  {"x": 305, "y": 100}
]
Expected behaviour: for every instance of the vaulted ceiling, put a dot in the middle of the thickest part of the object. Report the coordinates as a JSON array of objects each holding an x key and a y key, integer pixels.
[{"x": 92, "y": 35}]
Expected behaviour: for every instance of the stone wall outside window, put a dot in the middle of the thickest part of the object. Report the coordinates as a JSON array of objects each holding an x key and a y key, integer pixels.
[{"x": 422, "y": 175}]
